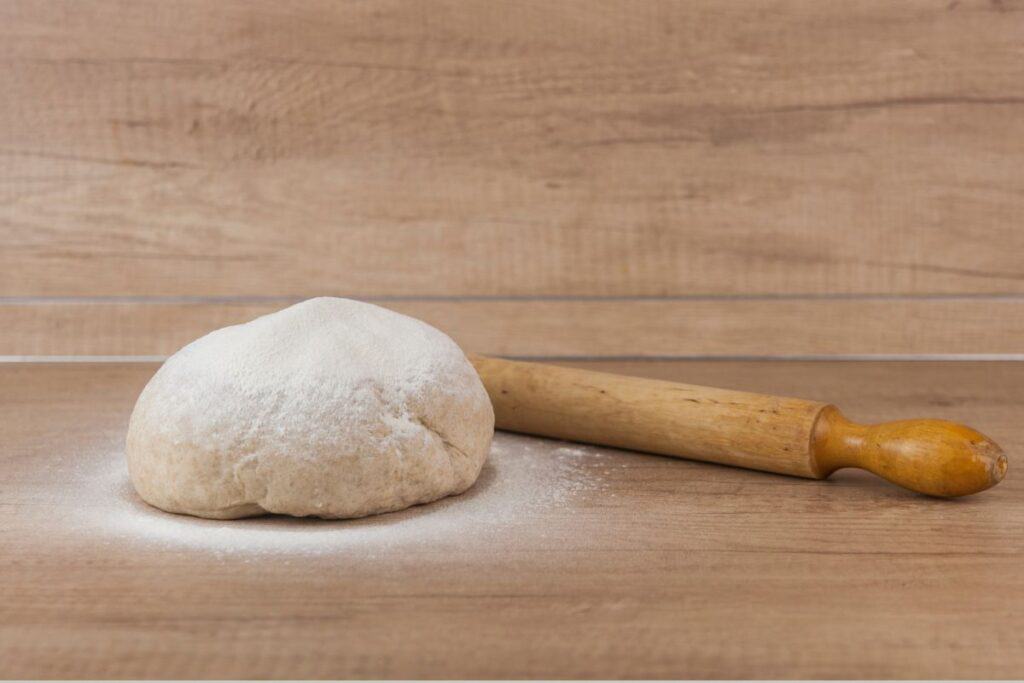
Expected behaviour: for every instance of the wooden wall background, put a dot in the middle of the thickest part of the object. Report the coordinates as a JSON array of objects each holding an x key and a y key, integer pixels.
[{"x": 569, "y": 178}]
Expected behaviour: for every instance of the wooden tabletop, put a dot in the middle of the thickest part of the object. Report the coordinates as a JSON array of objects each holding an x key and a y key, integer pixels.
[{"x": 562, "y": 561}]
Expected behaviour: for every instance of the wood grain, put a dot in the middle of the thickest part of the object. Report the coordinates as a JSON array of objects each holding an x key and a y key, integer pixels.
[
  {"x": 744, "y": 429},
  {"x": 763, "y": 432},
  {"x": 713, "y": 327},
  {"x": 532, "y": 148},
  {"x": 647, "y": 567}
]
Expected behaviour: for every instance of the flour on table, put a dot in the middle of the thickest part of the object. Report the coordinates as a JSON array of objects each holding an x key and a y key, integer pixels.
[{"x": 526, "y": 486}]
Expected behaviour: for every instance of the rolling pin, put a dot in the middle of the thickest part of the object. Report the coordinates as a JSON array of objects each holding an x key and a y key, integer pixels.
[{"x": 770, "y": 433}]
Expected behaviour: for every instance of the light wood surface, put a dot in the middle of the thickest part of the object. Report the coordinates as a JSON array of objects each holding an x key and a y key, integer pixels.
[
  {"x": 565, "y": 327},
  {"x": 528, "y": 149},
  {"x": 562, "y": 561},
  {"x": 583, "y": 177}
]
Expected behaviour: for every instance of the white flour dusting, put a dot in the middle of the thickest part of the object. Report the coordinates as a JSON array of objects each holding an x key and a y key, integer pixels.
[
  {"x": 578, "y": 451},
  {"x": 525, "y": 480}
]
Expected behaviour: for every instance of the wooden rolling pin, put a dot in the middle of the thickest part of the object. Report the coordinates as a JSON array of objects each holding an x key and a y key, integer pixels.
[{"x": 771, "y": 433}]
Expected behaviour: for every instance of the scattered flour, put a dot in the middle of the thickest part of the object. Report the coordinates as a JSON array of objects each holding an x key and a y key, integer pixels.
[
  {"x": 578, "y": 451},
  {"x": 526, "y": 486}
]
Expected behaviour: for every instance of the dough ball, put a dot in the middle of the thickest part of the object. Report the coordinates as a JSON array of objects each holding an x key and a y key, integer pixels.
[{"x": 331, "y": 408}]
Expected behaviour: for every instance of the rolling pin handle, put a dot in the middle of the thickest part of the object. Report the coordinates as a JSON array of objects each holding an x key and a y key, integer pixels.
[{"x": 934, "y": 457}]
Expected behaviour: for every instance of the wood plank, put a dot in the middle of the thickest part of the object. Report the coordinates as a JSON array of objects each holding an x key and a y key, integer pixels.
[
  {"x": 563, "y": 561},
  {"x": 534, "y": 148},
  {"x": 759, "y": 327}
]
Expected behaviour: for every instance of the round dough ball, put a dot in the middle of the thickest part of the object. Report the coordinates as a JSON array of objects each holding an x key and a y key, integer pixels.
[{"x": 331, "y": 408}]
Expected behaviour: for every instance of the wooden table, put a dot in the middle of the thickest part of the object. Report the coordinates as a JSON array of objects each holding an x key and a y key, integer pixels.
[{"x": 562, "y": 561}]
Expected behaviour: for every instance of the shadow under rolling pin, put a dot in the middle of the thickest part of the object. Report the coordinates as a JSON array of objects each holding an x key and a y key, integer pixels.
[{"x": 770, "y": 433}]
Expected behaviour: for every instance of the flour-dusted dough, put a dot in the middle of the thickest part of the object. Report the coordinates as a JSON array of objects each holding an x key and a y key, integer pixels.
[{"x": 331, "y": 407}]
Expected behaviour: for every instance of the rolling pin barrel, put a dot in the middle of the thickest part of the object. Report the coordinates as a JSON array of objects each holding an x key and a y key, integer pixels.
[{"x": 771, "y": 433}]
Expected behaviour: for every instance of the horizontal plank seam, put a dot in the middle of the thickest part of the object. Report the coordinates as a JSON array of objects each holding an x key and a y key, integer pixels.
[
  {"x": 827, "y": 296},
  {"x": 881, "y": 357}
]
